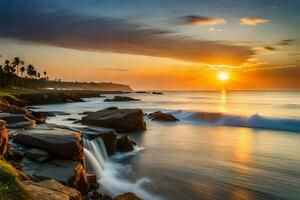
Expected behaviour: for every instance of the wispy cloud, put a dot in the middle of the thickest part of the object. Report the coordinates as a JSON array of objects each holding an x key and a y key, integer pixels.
[
  {"x": 252, "y": 21},
  {"x": 203, "y": 20},
  {"x": 113, "y": 69},
  {"x": 265, "y": 49},
  {"x": 88, "y": 33},
  {"x": 286, "y": 42}
]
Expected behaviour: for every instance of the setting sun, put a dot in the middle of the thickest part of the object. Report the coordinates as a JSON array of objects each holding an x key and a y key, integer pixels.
[{"x": 223, "y": 76}]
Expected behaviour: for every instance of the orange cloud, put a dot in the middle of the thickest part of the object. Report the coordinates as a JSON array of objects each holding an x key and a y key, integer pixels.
[
  {"x": 251, "y": 21},
  {"x": 204, "y": 21}
]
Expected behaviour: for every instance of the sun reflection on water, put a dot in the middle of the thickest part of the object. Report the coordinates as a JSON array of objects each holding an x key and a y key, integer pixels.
[{"x": 223, "y": 101}]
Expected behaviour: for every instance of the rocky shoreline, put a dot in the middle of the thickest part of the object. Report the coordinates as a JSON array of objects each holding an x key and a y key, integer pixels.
[{"x": 48, "y": 158}]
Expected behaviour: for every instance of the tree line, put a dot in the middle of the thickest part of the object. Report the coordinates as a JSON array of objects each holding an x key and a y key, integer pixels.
[{"x": 15, "y": 73}]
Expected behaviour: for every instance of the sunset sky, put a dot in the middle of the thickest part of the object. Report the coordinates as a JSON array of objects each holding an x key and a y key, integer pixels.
[{"x": 157, "y": 44}]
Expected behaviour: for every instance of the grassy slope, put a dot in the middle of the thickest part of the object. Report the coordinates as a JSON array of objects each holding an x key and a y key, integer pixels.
[
  {"x": 13, "y": 92},
  {"x": 10, "y": 187}
]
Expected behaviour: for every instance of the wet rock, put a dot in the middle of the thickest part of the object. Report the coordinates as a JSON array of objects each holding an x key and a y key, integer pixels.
[
  {"x": 85, "y": 113},
  {"x": 39, "y": 117},
  {"x": 17, "y": 120},
  {"x": 47, "y": 114},
  {"x": 92, "y": 181},
  {"x": 160, "y": 116},
  {"x": 32, "y": 107},
  {"x": 49, "y": 98},
  {"x": 141, "y": 92},
  {"x": 70, "y": 119},
  {"x": 37, "y": 154},
  {"x": 125, "y": 144},
  {"x": 7, "y": 107},
  {"x": 160, "y": 93},
  {"x": 58, "y": 142},
  {"x": 96, "y": 195},
  {"x": 51, "y": 190},
  {"x": 121, "y": 98},
  {"x": 54, "y": 113},
  {"x": 122, "y": 120},
  {"x": 67, "y": 172},
  {"x": 16, "y": 151},
  {"x": 3, "y": 139},
  {"x": 127, "y": 196}
]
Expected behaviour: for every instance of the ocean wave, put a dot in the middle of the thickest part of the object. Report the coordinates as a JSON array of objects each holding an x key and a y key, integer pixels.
[{"x": 253, "y": 121}]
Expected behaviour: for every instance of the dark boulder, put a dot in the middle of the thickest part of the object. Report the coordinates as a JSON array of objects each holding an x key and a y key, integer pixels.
[
  {"x": 71, "y": 119},
  {"x": 39, "y": 117},
  {"x": 122, "y": 120},
  {"x": 97, "y": 195},
  {"x": 160, "y": 116},
  {"x": 125, "y": 144},
  {"x": 85, "y": 113},
  {"x": 141, "y": 92},
  {"x": 121, "y": 98},
  {"x": 58, "y": 142},
  {"x": 127, "y": 196},
  {"x": 159, "y": 93}
]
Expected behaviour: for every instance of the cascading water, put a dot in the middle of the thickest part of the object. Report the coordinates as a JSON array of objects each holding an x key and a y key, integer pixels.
[
  {"x": 95, "y": 155},
  {"x": 108, "y": 171}
]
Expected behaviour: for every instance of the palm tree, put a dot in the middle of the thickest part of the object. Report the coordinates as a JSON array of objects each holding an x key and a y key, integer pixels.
[
  {"x": 22, "y": 69},
  {"x": 17, "y": 61},
  {"x": 30, "y": 70},
  {"x": 34, "y": 73},
  {"x": 7, "y": 67},
  {"x": 22, "y": 65}
]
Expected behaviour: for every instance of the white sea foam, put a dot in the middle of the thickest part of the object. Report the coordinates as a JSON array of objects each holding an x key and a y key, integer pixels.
[
  {"x": 253, "y": 121},
  {"x": 108, "y": 171}
]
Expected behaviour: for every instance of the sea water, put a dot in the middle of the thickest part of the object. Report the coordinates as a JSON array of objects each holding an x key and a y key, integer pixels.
[{"x": 241, "y": 145}]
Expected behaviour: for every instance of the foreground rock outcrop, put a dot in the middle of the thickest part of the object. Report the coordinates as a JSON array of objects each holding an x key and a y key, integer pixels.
[
  {"x": 3, "y": 139},
  {"x": 122, "y": 120},
  {"x": 160, "y": 116},
  {"x": 58, "y": 142},
  {"x": 7, "y": 106},
  {"x": 51, "y": 190},
  {"x": 17, "y": 120},
  {"x": 121, "y": 98},
  {"x": 67, "y": 172}
]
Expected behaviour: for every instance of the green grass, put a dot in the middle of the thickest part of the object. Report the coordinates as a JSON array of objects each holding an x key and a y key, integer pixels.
[
  {"x": 14, "y": 92},
  {"x": 10, "y": 187}
]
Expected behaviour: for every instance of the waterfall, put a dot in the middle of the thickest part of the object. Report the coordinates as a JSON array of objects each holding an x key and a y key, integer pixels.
[
  {"x": 108, "y": 171},
  {"x": 95, "y": 155}
]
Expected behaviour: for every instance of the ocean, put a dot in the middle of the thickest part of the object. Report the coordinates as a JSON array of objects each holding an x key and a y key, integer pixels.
[{"x": 238, "y": 145}]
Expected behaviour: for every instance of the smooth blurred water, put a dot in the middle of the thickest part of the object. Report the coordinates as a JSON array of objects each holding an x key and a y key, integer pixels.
[{"x": 186, "y": 160}]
